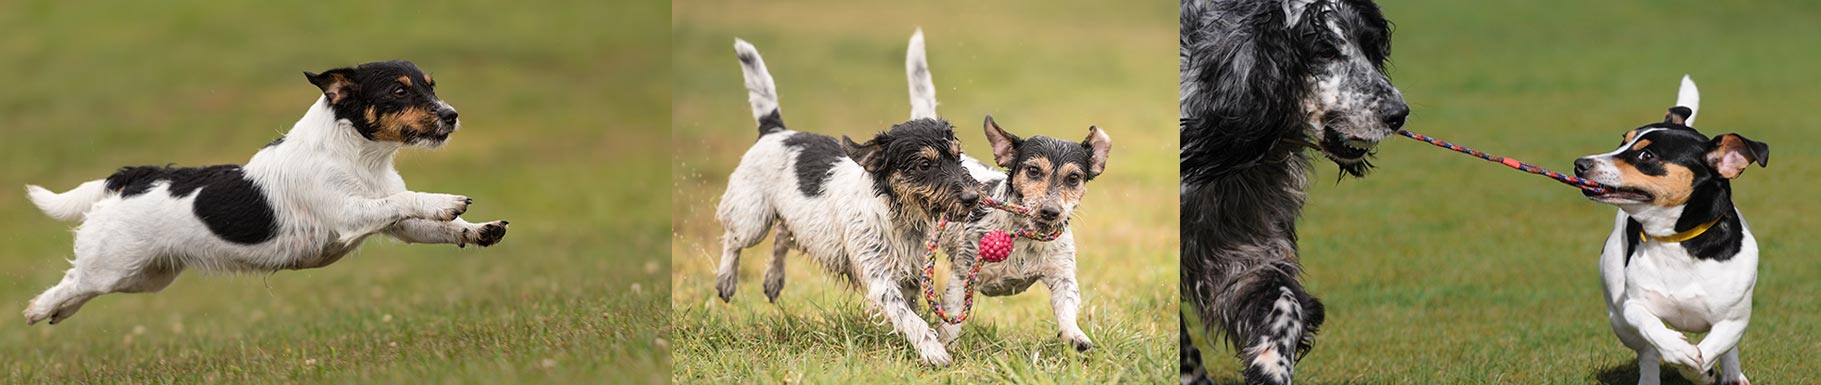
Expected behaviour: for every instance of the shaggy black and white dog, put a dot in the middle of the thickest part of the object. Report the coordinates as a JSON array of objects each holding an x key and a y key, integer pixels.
[{"x": 1262, "y": 81}]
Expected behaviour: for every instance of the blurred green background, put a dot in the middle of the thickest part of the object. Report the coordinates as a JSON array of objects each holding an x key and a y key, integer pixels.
[
  {"x": 563, "y": 134},
  {"x": 1041, "y": 68},
  {"x": 1442, "y": 269}
]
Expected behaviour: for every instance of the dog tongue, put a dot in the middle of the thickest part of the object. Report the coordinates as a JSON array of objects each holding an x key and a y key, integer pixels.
[{"x": 996, "y": 246}]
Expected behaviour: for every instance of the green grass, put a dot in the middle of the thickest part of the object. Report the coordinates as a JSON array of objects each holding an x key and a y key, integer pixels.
[
  {"x": 559, "y": 137},
  {"x": 1442, "y": 269},
  {"x": 1040, "y": 69}
]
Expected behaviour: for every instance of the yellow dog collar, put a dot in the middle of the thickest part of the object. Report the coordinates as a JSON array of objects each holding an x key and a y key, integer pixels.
[{"x": 1685, "y": 235}]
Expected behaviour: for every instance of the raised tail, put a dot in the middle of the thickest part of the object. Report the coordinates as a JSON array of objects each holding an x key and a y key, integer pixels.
[
  {"x": 70, "y": 205},
  {"x": 1689, "y": 96},
  {"x": 922, "y": 89},
  {"x": 760, "y": 90}
]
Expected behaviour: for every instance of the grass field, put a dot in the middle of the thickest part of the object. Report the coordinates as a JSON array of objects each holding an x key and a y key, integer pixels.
[
  {"x": 1039, "y": 68},
  {"x": 1442, "y": 269},
  {"x": 558, "y": 137}
]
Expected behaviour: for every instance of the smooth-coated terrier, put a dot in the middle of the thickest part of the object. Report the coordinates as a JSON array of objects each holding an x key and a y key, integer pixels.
[
  {"x": 861, "y": 210},
  {"x": 1680, "y": 257},
  {"x": 304, "y": 201}
]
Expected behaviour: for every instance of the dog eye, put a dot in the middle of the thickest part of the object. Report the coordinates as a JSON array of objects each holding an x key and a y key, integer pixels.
[
  {"x": 1646, "y": 155},
  {"x": 1033, "y": 172},
  {"x": 924, "y": 165},
  {"x": 1074, "y": 180},
  {"x": 399, "y": 91}
]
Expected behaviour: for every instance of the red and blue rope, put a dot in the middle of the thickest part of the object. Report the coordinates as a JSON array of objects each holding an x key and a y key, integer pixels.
[{"x": 1513, "y": 163}]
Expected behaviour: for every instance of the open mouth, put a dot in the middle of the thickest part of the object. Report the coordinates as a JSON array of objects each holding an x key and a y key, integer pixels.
[
  {"x": 1346, "y": 150},
  {"x": 1618, "y": 195}
]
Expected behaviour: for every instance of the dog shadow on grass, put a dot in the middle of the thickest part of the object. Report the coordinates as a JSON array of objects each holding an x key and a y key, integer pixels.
[{"x": 1627, "y": 374}]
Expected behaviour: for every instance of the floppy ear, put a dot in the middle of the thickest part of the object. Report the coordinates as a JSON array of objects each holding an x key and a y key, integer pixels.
[
  {"x": 1098, "y": 145},
  {"x": 1678, "y": 115},
  {"x": 1730, "y": 154},
  {"x": 1293, "y": 11},
  {"x": 870, "y": 156},
  {"x": 335, "y": 84},
  {"x": 1005, "y": 145}
]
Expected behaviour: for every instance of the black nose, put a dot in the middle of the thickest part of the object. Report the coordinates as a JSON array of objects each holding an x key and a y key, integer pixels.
[
  {"x": 1582, "y": 165},
  {"x": 969, "y": 198},
  {"x": 1394, "y": 115},
  {"x": 1049, "y": 213},
  {"x": 448, "y": 115}
]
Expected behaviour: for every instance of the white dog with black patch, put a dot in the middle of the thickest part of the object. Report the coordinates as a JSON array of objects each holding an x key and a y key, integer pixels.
[
  {"x": 1681, "y": 257},
  {"x": 304, "y": 201}
]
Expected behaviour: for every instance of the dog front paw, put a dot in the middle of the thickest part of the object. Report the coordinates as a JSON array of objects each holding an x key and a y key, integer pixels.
[
  {"x": 33, "y": 314},
  {"x": 443, "y": 207},
  {"x": 1077, "y": 339},
  {"x": 487, "y": 234},
  {"x": 1687, "y": 361},
  {"x": 934, "y": 356}
]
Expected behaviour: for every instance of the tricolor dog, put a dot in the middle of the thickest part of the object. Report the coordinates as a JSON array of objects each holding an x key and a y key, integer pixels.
[
  {"x": 304, "y": 201},
  {"x": 860, "y": 210},
  {"x": 1047, "y": 175},
  {"x": 1681, "y": 258}
]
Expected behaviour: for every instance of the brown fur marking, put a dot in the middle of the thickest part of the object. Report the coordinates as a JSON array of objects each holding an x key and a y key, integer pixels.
[
  {"x": 405, "y": 79},
  {"x": 1670, "y": 190},
  {"x": 395, "y": 127},
  {"x": 1640, "y": 145}
]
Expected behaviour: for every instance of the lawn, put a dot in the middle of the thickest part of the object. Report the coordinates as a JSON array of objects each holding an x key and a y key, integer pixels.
[
  {"x": 1442, "y": 269},
  {"x": 559, "y": 136},
  {"x": 1039, "y": 69}
]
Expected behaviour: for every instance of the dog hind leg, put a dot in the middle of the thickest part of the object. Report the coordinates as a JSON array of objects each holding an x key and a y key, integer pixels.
[
  {"x": 774, "y": 271},
  {"x": 1730, "y": 372},
  {"x": 746, "y": 218}
]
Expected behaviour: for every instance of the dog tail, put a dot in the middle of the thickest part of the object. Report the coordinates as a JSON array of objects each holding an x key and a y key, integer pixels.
[
  {"x": 922, "y": 89},
  {"x": 1689, "y": 96},
  {"x": 760, "y": 90},
  {"x": 70, "y": 205}
]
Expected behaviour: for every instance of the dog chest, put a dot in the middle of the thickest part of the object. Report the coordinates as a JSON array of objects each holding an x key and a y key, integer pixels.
[{"x": 1687, "y": 293}]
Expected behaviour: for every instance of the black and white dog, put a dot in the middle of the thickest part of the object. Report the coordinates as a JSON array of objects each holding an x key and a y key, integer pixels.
[
  {"x": 303, "y": 201},
  {"x": 1261, "y": 80},
  {"x": 1049, "y": 176},
  {"x": 861, "y": 210},
  {"x": 1680, "y": 257}
]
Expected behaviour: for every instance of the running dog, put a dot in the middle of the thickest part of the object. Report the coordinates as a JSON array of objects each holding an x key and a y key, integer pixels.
[
  {"x": 1261, "y": 80},
  {"x": 1049, "y": 176},
  {"x": 861, "y": 210},
  {"x": 304, "y": 201},
  {"x": 1680, "y": 257}
]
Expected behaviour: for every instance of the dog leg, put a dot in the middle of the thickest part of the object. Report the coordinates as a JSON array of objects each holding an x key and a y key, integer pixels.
[
  {"x": 1192, "y": 371},
  {"x": 1673, "y": 346},
  {"x": 1065, "y": 301},
  {"x": 1649, "y": 367},
  {"x": 1721, "y": 340},
  {"x": 1273, "y": 322},
  {"x": 955, "y": 296},
  {"x": 458, "y": 232},
  {"x": 738, "y": 236},
  {"x": 890, "y": 301},
  {"x": 1730, "y": 372},
  {"x": 361, "y": 217},
  {"x": 774, "y": 272}
]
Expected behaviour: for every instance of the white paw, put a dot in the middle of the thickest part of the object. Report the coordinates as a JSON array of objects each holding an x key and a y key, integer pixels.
[
  {"x": 485, "y": 234},
  {"x": 443, "y": 207},
  {"x": 33, "y": 314},
  {"x": 937, "y": 356},
  {"x": 948, "y": 333},
  {"x": 1077, "y": 339}
]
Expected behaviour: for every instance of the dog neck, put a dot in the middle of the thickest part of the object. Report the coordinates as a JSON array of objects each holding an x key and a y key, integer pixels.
[{"x": 320, "y": 132}]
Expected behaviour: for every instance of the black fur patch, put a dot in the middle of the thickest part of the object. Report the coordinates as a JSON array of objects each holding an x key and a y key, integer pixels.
[
  {"x": 773, "y": 122},
  {"x": 232, "y": 206},
  {"x": 1711, "y": 197},
  {"x": 816, "y": 156}
]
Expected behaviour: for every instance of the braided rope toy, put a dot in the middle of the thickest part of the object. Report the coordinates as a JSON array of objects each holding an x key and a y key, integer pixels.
[
  {"x": 998, "y": 240},
  {"x": 1513, "y": 163}
]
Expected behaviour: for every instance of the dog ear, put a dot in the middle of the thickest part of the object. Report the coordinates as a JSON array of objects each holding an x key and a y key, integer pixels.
[
  {"x": 1005, "y": 145},
  {"x": 336, "y": 84},
  {"x": 1293, "y": 10},
  {"x": 1098, "y": 145},
  {"x": 1730, "y": 154},
  {"x": 1678, "y": 115},
  {"x": 870, "y": 156}
]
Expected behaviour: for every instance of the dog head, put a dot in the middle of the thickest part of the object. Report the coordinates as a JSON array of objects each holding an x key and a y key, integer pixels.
[
  {"x": 389, "y": 101},
  {"x": 1350, "y": 104},
  {"x": 918, "y": 165},
  {"x": 1049, "y": 175},
  {"x": 1665, "y": 164}
]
